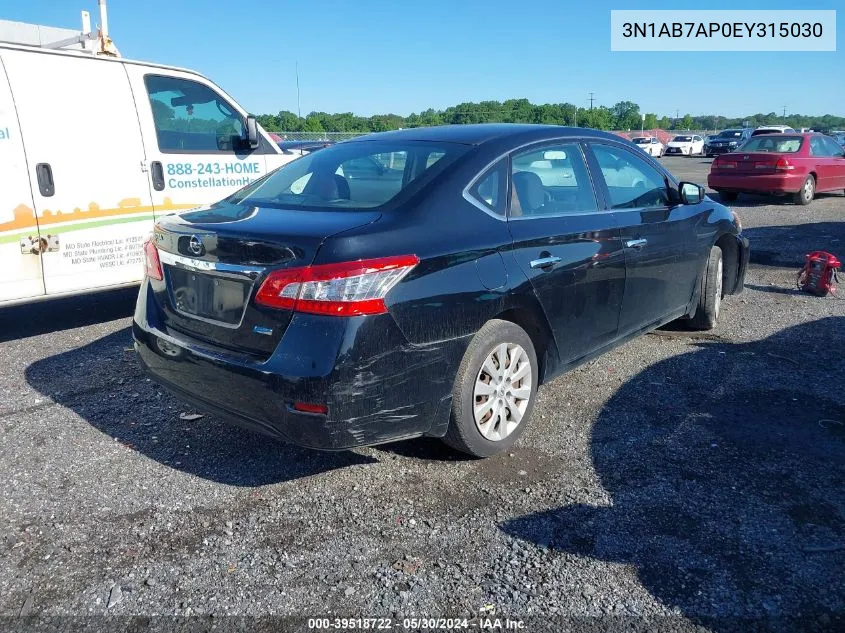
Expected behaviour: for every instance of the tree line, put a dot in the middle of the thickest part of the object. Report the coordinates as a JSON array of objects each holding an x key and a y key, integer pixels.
[{"x": 625, "y": 115}]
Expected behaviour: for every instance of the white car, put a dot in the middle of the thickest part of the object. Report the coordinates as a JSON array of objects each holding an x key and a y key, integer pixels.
[
  {"x": 772, "y": 129},
  {"x": 650, "y": 145},
  {"x": 686, "y": 144}
]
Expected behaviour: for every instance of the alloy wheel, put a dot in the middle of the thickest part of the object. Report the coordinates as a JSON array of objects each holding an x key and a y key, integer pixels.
[
  {"x": 808, "y": 189},
  {"x": 502, "y": 391}
]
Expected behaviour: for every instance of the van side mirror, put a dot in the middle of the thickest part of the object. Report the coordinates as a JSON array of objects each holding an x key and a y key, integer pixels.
[
  {"x": 690, "y": 193},
  {"x": 252, "y": 131}
]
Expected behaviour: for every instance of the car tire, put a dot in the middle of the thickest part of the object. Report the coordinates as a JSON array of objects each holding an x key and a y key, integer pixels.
[
  {"x": 479, "y": 430},
  {"x": 728, "y": 196},
  {"x": 805, "y": 195},
  {"x": 710, "y": 299}
]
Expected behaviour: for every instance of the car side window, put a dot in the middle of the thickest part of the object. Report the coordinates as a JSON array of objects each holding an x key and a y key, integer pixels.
[
  {"x": 551, "y": 181},
  {"x": 817, "y": 147},
  {"x": 191, "y": 117},
  {"x": 631, "y": 182},
  {"x": 833, "y": 148},
  {"x": 489, "y": 189}
]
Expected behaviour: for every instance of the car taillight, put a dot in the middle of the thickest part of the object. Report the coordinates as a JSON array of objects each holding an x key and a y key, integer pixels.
[
  {"x": 723, "y": 164},
  {"x": 152, "y": 264},
  {"x": 346, "y": 289},
  {"x": 784, "y": 165},
  {"x": 309, "y": 407}
]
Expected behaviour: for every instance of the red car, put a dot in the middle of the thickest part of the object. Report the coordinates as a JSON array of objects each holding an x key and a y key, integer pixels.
[{"x": 795, "y": 164}]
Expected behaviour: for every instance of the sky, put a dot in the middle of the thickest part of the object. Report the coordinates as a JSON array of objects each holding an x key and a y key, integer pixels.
[{"x": 396, "y": 56}]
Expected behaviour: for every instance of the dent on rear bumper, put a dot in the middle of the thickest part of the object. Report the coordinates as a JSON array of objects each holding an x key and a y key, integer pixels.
[{"x": 377, "y": 386}]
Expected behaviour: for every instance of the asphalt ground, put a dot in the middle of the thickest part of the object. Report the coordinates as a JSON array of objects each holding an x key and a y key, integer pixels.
[{"x": 685, "y": 481}]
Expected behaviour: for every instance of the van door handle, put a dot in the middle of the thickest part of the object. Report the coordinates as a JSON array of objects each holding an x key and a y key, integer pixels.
[
  {"x": 44, "y": 175},
  {"x": 636, "y": 243},
  {"x": 544, "y": 262},
  {"x": 157, "y": 175}
]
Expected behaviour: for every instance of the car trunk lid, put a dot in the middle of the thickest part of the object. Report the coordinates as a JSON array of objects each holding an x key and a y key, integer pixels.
[{"x": 215, "y": 258}]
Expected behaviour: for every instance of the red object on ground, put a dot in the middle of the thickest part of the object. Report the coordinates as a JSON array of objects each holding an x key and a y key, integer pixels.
[{"x": 819, "y": 273}]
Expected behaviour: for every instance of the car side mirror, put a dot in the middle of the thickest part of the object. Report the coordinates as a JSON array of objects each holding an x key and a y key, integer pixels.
[
  {"x": 691, "y": 193},
  {"x": 252, "y": 131}
]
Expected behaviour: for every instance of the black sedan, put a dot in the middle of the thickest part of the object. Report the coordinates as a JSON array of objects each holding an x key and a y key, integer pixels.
[{"x": 426, "y": 282}]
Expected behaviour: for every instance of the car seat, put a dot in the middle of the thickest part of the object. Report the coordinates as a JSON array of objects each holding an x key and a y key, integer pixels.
[{"x": 529, "y": 192}]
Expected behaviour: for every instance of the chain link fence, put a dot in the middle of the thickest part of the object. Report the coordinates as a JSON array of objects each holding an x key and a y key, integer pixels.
[
  {"x": 314, "y": 136},
  {"x": 663, "y": 135}
]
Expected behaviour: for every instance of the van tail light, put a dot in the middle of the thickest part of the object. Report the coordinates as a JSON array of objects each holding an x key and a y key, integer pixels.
[
  {"x": 784, "y": 165},
  {"x": 347, "y": 289},
  {"x": 152, "y": 264}
]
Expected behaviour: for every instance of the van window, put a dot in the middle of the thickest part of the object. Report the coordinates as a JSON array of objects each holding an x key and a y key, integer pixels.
[{"x": 192, "y": 118}]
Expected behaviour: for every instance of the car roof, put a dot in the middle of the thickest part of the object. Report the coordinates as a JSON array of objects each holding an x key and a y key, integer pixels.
[{"x": 478, "y": 133}]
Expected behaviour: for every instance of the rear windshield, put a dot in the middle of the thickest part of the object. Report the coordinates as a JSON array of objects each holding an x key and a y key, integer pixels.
[
  {"x": 682, "y": 139},
  {"x": 770, "y": 131},
  {"x": 730, "y": 134},
  {"x": 353, "y": 175},
  {"x": 776, "y": 144}
]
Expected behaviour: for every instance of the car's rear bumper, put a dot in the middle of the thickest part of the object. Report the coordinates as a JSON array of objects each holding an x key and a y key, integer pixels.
[
  {"x": 764, "y": 183},
  {"x": 377, "y": 387}
]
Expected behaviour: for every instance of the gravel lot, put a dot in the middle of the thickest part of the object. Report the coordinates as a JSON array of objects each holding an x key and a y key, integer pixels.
[{"x": 685, "y": 481}]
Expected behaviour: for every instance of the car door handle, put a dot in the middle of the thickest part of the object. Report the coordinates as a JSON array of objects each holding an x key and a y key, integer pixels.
[
  {"x": 545, "y": 262},
  {"x": 636, "y": 243}
]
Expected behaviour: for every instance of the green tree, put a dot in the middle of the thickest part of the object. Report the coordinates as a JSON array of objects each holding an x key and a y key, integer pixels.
[
  {"x": 626, "y": 115},
  {"x": 312, "y": 123},
  {"x": 600, "y": 118},
  {"x": 289, "y": 122}
]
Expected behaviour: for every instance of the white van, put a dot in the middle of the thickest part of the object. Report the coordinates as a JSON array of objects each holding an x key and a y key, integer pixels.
[{"x": 92, "y": 149}]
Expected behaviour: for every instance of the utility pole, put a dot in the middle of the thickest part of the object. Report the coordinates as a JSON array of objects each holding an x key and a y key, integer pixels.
[
  {"x": 784, "y": 114},
  {"x": 591, "y": 100},
  {"x": 298, "y": 107}
]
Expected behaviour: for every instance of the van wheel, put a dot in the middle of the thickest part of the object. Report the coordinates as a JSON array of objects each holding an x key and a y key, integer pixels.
[
  {"x": 495, "y": 389},
  {"x": 710, "y": 299},
  {"x": 807, "y": 192},
  {"x": 728, "y": 196}
]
